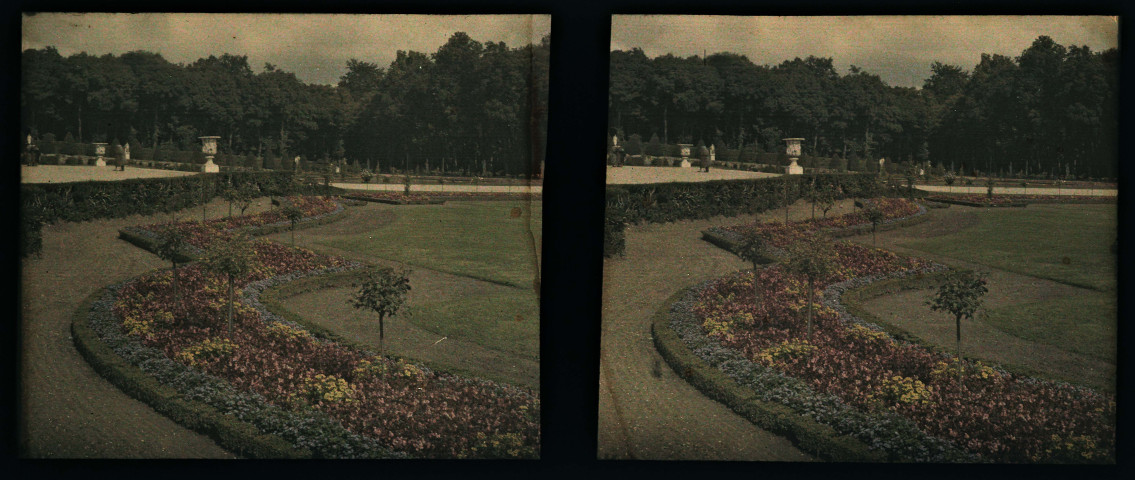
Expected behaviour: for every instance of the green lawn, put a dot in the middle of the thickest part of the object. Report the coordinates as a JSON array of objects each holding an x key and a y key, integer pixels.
[
  {"x": 1084, "y": 324},
  {"x": 507, "y": 322},
  {"x": 479, "y": 239},
  {"x": 1036, "y": 240}
]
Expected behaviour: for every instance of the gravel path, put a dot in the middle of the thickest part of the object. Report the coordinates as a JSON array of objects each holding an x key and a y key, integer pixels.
[
  {"x": 81, "y": 173},
  {"x": 67, "y": 409},
  {"x": 632, "y": 175},
  {"x": 642, "y": 416}
]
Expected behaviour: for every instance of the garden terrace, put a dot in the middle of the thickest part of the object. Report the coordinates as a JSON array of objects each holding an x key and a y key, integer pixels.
[
  {"x": 903, "y": 400},
  {"x": 1017, "y": 200},
  {"x": 280, "y": 378}
]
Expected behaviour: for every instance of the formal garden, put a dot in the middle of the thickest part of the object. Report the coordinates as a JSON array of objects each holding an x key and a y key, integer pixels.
[
  {"x": 869, "y": 335},
  {"x": 214, "y": 341}
]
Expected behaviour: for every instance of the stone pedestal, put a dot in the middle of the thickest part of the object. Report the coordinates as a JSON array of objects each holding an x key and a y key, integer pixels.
[
  {"x": 685, "y": 163},
  {"x": 100, "y": 162},
  {"x": 100, "y": 151},
  {"x": 209, "y": 166},
  {"x": 793, "y": 151},
  {"x": 793, "y": 168}
]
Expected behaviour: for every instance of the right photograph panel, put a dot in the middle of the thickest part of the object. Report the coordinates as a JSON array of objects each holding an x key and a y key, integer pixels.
[{"x": 868, "y": 239}]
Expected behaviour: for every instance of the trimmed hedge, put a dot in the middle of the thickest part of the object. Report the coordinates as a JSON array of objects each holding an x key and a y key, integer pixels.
[
  {"x": 85, "y": 201},
  {"x": 806, "y": 433}
]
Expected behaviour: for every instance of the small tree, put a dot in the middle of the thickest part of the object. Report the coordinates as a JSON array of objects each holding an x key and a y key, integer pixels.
[
  {"x": 813, "y": 196},
  {"x": 244, "y": 196},
  {"x": 960, "y": 295},
  {"x": 754, "y": 248},
  {"x": 171, "y": 243},
  {"x": 230, "y": 195},
  {"x": 232, "y": 258},
  {"x": 293, "y": 214},
  {"x": 383, "y": 292},
  {"x": 406, "y": 183},
  {"x": 875, "y": 216},
  {"x": 826, "y": 198},
  {"x": 950, "y": 179},
  {"x": 811, "y": 257},
  {"x": 989, "y": 183},
  {"x": 366, "y": 175}
]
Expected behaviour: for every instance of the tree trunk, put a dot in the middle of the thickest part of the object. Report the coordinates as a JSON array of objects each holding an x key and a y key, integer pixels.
[
  {"x": 176, "y": 290},
  {"x": 230, "y": 316},
  {"x": 665, "y": 125},
  {"x": 381, "y": 335},
  {"x": 809, "y": 307},
  {"x": 958, "y": 321}
]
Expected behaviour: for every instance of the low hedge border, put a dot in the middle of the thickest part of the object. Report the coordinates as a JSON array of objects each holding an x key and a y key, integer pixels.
[
  {"x": 231, "y": 434},
  {"x": 817, "y": 423},
  {"x": 809, "y": 435},
  {"x": 387, "y": 201},
  {"x": 1014, "y": 203}
]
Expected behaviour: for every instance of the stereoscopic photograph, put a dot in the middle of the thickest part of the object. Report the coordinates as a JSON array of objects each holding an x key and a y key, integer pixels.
[
  {"x": 281, "y": 236},
  {"x": 861, "y": 239}
]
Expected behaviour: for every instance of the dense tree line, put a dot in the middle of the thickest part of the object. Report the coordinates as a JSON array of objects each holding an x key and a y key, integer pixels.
[
  {"x": 1048, "y": 110},
  {"x": 471, "y": 107}
]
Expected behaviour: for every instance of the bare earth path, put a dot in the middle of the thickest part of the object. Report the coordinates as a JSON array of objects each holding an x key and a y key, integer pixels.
[
  {"x": 642, "y": 416},
  {"x": 67, "y": 409},
  {"x": 908, "y": 309}
]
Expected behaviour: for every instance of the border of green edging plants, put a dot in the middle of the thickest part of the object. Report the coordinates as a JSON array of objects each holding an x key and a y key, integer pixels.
[
  {"x": 231, "y": 434},
  {"x": 806, "y": 433}
]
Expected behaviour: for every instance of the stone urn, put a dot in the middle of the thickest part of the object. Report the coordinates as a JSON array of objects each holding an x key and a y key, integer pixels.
[
  {"x": 793, "y": 151},
  {"x": 100, "y": 151},
  {"x": 209, "y": 148}
]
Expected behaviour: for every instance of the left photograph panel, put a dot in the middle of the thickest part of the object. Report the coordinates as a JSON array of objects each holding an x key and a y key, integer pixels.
[{"x": 281, "y": 235}]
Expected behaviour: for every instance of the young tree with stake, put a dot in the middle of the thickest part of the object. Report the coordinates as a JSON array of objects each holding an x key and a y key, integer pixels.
[
  {"x": 960, "y": 295},
  {"x": 754, "y": 248},
  {"x": 875, "y": 216},
  {"x": 169, "y": 248},
  {"x": 383, "y": 292},
  {"x": 232, "y": 258},
  {"x": 293, "y": 214},
  {"x": 812, "y": 258}
]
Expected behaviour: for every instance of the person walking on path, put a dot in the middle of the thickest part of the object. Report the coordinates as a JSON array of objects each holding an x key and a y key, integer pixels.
[{"x": 703, "y": 158}]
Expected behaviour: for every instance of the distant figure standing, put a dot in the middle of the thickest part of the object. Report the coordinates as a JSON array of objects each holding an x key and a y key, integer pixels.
[
  {"x": 620, "y": 156},
  {"x": 703, "y": 158}
]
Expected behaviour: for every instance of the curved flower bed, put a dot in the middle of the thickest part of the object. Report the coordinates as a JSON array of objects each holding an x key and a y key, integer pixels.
[
  {"x": 1017, "y": 200},
  {"x": 897, "y": 397},
  {"x": 200, "y": 234},
  {"x": 780, "y": 235},
  {"x": 378, "y": 405},
  {"x": 400, "y": 198}
]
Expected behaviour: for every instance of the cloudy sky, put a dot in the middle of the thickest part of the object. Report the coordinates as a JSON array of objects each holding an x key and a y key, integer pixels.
[
  {"x": 315, "y": 47},
  {"x": 899, "y": 49}
]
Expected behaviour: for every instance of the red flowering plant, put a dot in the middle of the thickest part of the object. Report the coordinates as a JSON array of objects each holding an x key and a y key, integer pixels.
[
  {"x": 200, "y": 234},
  {"x": 994, "y": 414},
  {"x": 781, "y": 234},
  {"x": 1007, "y": 199}
]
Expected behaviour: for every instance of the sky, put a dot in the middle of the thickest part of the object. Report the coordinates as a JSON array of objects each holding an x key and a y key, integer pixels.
[
  {"x": 899, "y": 49},
  {"x": 314, "y": 47}
]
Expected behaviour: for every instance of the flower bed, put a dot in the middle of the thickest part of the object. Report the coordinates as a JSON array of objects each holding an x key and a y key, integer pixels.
[
  {"x": 368, "y": 406},
  {"x": 896, "y": 212},
  {"x": 1019, "y": 200},
  {"x": 898, "y": 397},
  {"x": 395, "y": 198},
  {"x": 200, "y": 234},
  {"x": 981, "y": 200}
]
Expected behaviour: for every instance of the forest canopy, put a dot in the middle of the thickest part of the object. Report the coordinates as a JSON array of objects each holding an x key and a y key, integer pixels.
[
  {"x": 469, "y": 106},
  {"x": 1051, "y": 108}
]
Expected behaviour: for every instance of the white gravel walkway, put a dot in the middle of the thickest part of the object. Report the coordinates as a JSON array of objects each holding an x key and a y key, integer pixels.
[
  {"x": 636, "y": 175},
  {"x": 82, "y": 173}
]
